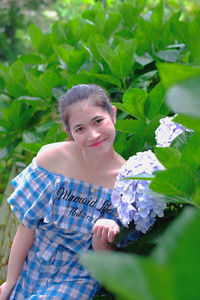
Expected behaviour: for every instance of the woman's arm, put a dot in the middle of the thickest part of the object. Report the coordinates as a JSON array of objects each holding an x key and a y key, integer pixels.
[
  {"x": 19, "y": 250},
  {"x": 104, "y": 232}
]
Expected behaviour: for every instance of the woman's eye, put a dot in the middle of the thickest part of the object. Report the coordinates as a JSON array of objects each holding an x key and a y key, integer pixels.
[
  {"x": 98, "y": 121},
  {"x": 79, "y": 129}
]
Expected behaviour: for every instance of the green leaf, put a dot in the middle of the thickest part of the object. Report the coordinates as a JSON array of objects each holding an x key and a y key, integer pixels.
[
  {"x": 183, "y": 98},
  {"x": 191, "y": 152},
  {"x": 134, "y": 101},
  {"x": 62, "y": 53},
  {"x": 129, "y": 14},
  {"x": 35, "y": 35},
  {"x": 168, "y": 156},
  {"x": 188, "y": 122},
  {"x": 180, "y": 141},
  {"x": 119, "y": 142},
  {"x": 143, "y": 60},
  {"x": 177, "y": 180},
  {"x": 31, "y": 59},
  {"x": 111, "y": 24},
  {"x": 173, "y": 73},
  {"x": 33, "y": 85},
  {"x": 59, "y": 32},
  {"x": 46, "y": 45},
  {"x": 58, "y": 92},
  {"x": 157, "y": 17},
  {"x": 185, "y": 260},
  {"x": 76, "y": 60},
  {"x": 5, "y": 141},
  {"x": 37, "y": 103},
  {"x": 51, "y": 135},
  {"x": 106, "y": 78},
  {"x": 15, "y": 79},
  {"x": 31, "y": 147},
  {"x": 121, "y": 273},
  {"x": 7, "y": 151},
  {"x": 31, "y": 137},
  {"x": 121, "y": 65},
  {"x": 105, "y": 51},
  {"x": 130, "y": 126},
  {"x": 93, "y": 41},
  {"x": 179, "y": 250},
  {"x": 165, "y": 249},
  {"x": 46, "y": 82},
  {"x": 134, "y": 144},
  {"x": 149, "y": 130},
  {"x": 120, "y": 106},
  {"x": 155, "y": 100},
  {"x": 169, "y": 55},
  {"x": 193, "y": 42},
  {"x": 140, "y": 177},
  {"x": 17, "y": 71}
]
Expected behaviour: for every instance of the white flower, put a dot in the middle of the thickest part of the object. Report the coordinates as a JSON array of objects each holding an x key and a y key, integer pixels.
[{"x": 130, "y": 196}]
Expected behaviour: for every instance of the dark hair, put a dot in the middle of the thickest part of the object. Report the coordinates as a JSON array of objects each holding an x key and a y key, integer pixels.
[{"x": 81, "y": 92}]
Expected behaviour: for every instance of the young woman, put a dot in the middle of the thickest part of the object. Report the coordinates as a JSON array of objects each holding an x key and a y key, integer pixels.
[{"x": 63, "y": 202}]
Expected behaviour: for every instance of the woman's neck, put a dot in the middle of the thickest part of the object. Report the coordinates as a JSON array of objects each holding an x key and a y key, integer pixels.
[{"x": 98, "y": 160}]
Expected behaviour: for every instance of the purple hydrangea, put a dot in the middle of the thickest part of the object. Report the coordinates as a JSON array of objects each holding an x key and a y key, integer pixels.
[
  {"x": 130, "y": 197},
  {"x": 167, "y": 131}
]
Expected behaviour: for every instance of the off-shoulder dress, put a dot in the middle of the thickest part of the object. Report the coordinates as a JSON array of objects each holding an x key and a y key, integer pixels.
[{"x": 63, "y": 211}]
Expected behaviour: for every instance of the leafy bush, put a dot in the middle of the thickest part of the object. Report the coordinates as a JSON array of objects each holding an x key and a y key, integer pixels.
[
  {"x": 149, "y": 63},
  {"x": 118, "y": 50}
]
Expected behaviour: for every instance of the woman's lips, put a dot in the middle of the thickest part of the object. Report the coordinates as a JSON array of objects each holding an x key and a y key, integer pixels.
[{"x": 97, "y": 144}]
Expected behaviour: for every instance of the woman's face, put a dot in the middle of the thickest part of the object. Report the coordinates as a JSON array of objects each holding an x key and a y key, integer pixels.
[{"x": 91, "y": 127}]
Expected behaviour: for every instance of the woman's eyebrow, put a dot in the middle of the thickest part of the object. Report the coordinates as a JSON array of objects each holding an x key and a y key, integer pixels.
[
  {"x": 93, "y": 119},
  {"x": 96, "y": 117}
]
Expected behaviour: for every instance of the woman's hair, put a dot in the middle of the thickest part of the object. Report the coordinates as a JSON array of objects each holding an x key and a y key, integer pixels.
[{"x": 80, "y": 92}]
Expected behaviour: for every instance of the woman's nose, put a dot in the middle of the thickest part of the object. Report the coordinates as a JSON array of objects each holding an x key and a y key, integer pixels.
[{"x": 93, "y": 133}]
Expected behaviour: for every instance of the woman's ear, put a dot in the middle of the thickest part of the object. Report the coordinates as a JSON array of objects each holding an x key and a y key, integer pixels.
[
  {"x": 69, "y": 134},
  {"x": 114, "y": 108}
]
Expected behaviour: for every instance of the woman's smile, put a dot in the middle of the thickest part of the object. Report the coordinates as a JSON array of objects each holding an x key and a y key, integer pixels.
[{"x": 98, "y": 144}]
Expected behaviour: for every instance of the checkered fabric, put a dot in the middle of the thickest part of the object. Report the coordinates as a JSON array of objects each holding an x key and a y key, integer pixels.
[{"x": 63, "y": 211}]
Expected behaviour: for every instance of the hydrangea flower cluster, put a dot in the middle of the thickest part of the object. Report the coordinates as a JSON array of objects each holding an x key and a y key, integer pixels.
[
  {"x": 130, "y": 196},
  {"x": 167, "y": 131}
]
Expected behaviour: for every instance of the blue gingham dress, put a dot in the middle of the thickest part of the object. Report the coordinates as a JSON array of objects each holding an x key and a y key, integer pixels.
[{"x": 63, "y": 211}]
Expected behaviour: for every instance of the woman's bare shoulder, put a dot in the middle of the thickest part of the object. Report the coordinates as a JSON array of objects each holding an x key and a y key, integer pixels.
[{"x": 52, "y": 155}]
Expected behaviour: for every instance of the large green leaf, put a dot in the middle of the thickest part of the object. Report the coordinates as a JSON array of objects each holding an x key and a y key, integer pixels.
[
  {"x": 169, "y": 55},
  {"x": 155, "y": 100},
  {"x": 35, "y": 35},
  {"x": 51, "y": 135},
  {"x": 134, "y": 101},
  {"x": 33, "y": 85},
  {"x": 59, "y": 32},
  {"x": 121, "y": 273},
  {"x": 31, "y": 147},
  {"x": 167, "y": 156},
  {"x": 172, "y": 73},
  {"x": 179, "y": 250},
  {"x": 111, "y": 24},
  {"x": 184, "y": 97},
  {"x": 177, "y": 180},
  {"x": 129, "y": 14},
  {"x": 161, "y": 276},
  {"x": 193, "y": 42},
  {"x": 46, "y": 82},
  {"x": 188, "y": 122},
  {"x": 106, "y": 78},
  {"x": 191, "y": 152},
  {"x": 31, "y": 59},
  {"x": 121, "y": 65},
  {"x": 149, "y": 130},
  {"x": 130, "y": 126}
]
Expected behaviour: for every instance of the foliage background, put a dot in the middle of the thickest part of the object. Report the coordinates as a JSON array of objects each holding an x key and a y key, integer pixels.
[{"x": 146, "y": 55}]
